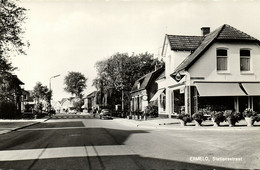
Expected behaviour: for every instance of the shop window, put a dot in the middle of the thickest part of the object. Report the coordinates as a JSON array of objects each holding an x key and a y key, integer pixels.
[
  {"x": 222, "y": 60},
  {"x": 245, "y": 60},
  {"x": 178, "y": 101}
]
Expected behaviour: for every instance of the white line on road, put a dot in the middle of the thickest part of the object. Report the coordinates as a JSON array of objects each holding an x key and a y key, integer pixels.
[
  {"x": 60, "y": 128},
  {"x": 63, "y": 152}
]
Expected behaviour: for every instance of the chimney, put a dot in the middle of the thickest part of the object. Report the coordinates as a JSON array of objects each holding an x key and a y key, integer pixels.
[{"x": 205, "y": 30}]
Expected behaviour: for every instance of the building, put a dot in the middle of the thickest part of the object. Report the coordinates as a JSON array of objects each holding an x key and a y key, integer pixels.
[
  {"x": 66, "y": 105},
  {"x": 143, "y": 91},
  {"x": 91, "y": 101},
  {"x": 10, "y": 95},
  {"x": 56, "y": 105},
  {"x": 28, "y": 102},
  {"x": 218, "y": 70}
]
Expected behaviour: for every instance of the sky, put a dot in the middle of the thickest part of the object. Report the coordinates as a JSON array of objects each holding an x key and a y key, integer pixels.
[{"x": 72, "y": 35}]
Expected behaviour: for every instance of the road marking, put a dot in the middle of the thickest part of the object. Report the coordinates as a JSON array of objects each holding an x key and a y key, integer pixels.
[
  {"x": 36, "y": 160},
  {"x": 99, "y": 158},
  {"x": 64, "y": 152},
  {"x": 60, "y": 128},
  {"x": 89, "y": 162}
]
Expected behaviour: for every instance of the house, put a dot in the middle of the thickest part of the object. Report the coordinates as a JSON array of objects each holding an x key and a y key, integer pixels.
[
  {"x": 90, "y": 101},
  {"x": 66, "y": 104},
  {"x": 218, "y": 70},
  {"x": 143, "y": 91},
  {"x": 98, "y": 99},
  {"x": 28, "y": 102},
  {"x": 10, "y": 95},
  {"x": 56, "y": 105},
  {"x": 69, "y": 105},
  {"x": 17, "y": 90}
]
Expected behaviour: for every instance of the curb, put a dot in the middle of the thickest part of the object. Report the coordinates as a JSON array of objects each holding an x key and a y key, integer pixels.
[
  {"x": 167, "y": 126},
  {"x": 22, "y": 127},
  {"x": 202, "y": 128}
]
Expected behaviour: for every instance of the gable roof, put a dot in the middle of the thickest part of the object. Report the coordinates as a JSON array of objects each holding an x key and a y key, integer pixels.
[
  {"x": 162, "y": 76},
  {"x": 92, "y": 94},
  {"x": 63, "y": 100},
  {"x": 145, "y": 80},
  {"x": 224, "y": 33},
  {"x": 183, "y": 42},
  {"x": 17, "y": 80}
]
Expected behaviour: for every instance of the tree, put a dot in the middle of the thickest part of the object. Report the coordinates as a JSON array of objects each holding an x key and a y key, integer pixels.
[
  {"x": 78, "y": 103},
  {"x": 11, "y": 30},
  {"x": 11, "y": 19},
  {"x": 75, "y": 83},
  {"x": 41, "y": 93},
  {"x": 117, "y": 74},
  {"x": 9, "y": 86}
]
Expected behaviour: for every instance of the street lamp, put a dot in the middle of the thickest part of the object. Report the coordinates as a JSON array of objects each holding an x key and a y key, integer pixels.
[
  {"x": 51, "y": 78},
  {"x": 50, "y": 85}
]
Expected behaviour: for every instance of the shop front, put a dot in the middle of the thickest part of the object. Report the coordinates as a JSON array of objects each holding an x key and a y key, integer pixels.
[{"x": 219, "y": 96}]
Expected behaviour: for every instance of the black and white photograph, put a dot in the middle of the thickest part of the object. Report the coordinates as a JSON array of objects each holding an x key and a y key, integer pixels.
[{"x": 129, "y": 84}]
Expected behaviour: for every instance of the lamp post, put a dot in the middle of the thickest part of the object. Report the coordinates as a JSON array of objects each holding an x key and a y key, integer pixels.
[{"x": 50, "y": 85}]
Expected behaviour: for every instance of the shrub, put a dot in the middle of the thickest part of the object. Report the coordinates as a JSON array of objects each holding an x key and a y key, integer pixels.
[
  {"x": 252, "y": 114},
  {"x": 39, "y": 107},
  {"x": 238, "y": 116},
  {"x": 198, "y": 117},
  {"x": 8, "y": 110},
  {"x": 249, "y": 113},
  {"x": 78, "y": 104},
  {"x": 151, "y": 110},
  {"x": 256, "y": 118},
  {"x": 233, "y": 116},
  {"x": 185, "y": 117},
  {"x": 218, "y": 116}
]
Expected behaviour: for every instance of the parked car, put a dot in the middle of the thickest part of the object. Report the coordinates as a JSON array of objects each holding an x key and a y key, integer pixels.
[
  {"x": 73, "y": 111},
  {"x": 105, "y": 114}
]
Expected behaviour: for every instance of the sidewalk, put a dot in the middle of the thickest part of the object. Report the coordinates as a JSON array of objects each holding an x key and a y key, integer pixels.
[
  {"x": 8, "y": 125},
  {"x": 160, "y": 123}
]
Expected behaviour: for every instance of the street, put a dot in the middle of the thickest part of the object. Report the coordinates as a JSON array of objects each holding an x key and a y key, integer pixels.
[{"x": 89, "y": 143}]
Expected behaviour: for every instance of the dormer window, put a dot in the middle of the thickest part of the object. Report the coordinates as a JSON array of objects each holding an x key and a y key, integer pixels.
[
  {"x": 138, "y": 85},
  {"x": 245, "y": 55},
  {"x": 222, "y": 60}
]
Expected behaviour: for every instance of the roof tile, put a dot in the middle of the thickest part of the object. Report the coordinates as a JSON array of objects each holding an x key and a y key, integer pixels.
[{"x": 184, "y": 43}]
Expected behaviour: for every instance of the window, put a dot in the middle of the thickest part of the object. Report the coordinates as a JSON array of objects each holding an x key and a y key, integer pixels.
[
  {"x": 163, "y": 101},
  {"x": 244, "y": 60},
  {"x": 138, "y": 85},
  {"x": 222, "y": 60},
  {"x": 140, "y": 103}
]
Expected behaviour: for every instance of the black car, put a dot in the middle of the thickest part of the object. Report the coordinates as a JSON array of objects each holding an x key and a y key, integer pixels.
[{"x": 105, "y": 114}]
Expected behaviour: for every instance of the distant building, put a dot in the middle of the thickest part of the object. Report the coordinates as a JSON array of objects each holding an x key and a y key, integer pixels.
[
  {"x": 56, "y": 105},
  {"x": 66, "y": 105}
]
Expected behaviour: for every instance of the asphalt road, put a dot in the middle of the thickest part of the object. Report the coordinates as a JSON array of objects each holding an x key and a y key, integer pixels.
[{"x": 86, "y": 143}]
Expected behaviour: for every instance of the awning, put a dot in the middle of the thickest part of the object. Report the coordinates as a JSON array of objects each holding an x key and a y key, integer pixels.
[
  {"x": 157, "y": 94},
  {"x": 219, "y": 89},
  {"x": 252, "y": 89}
]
